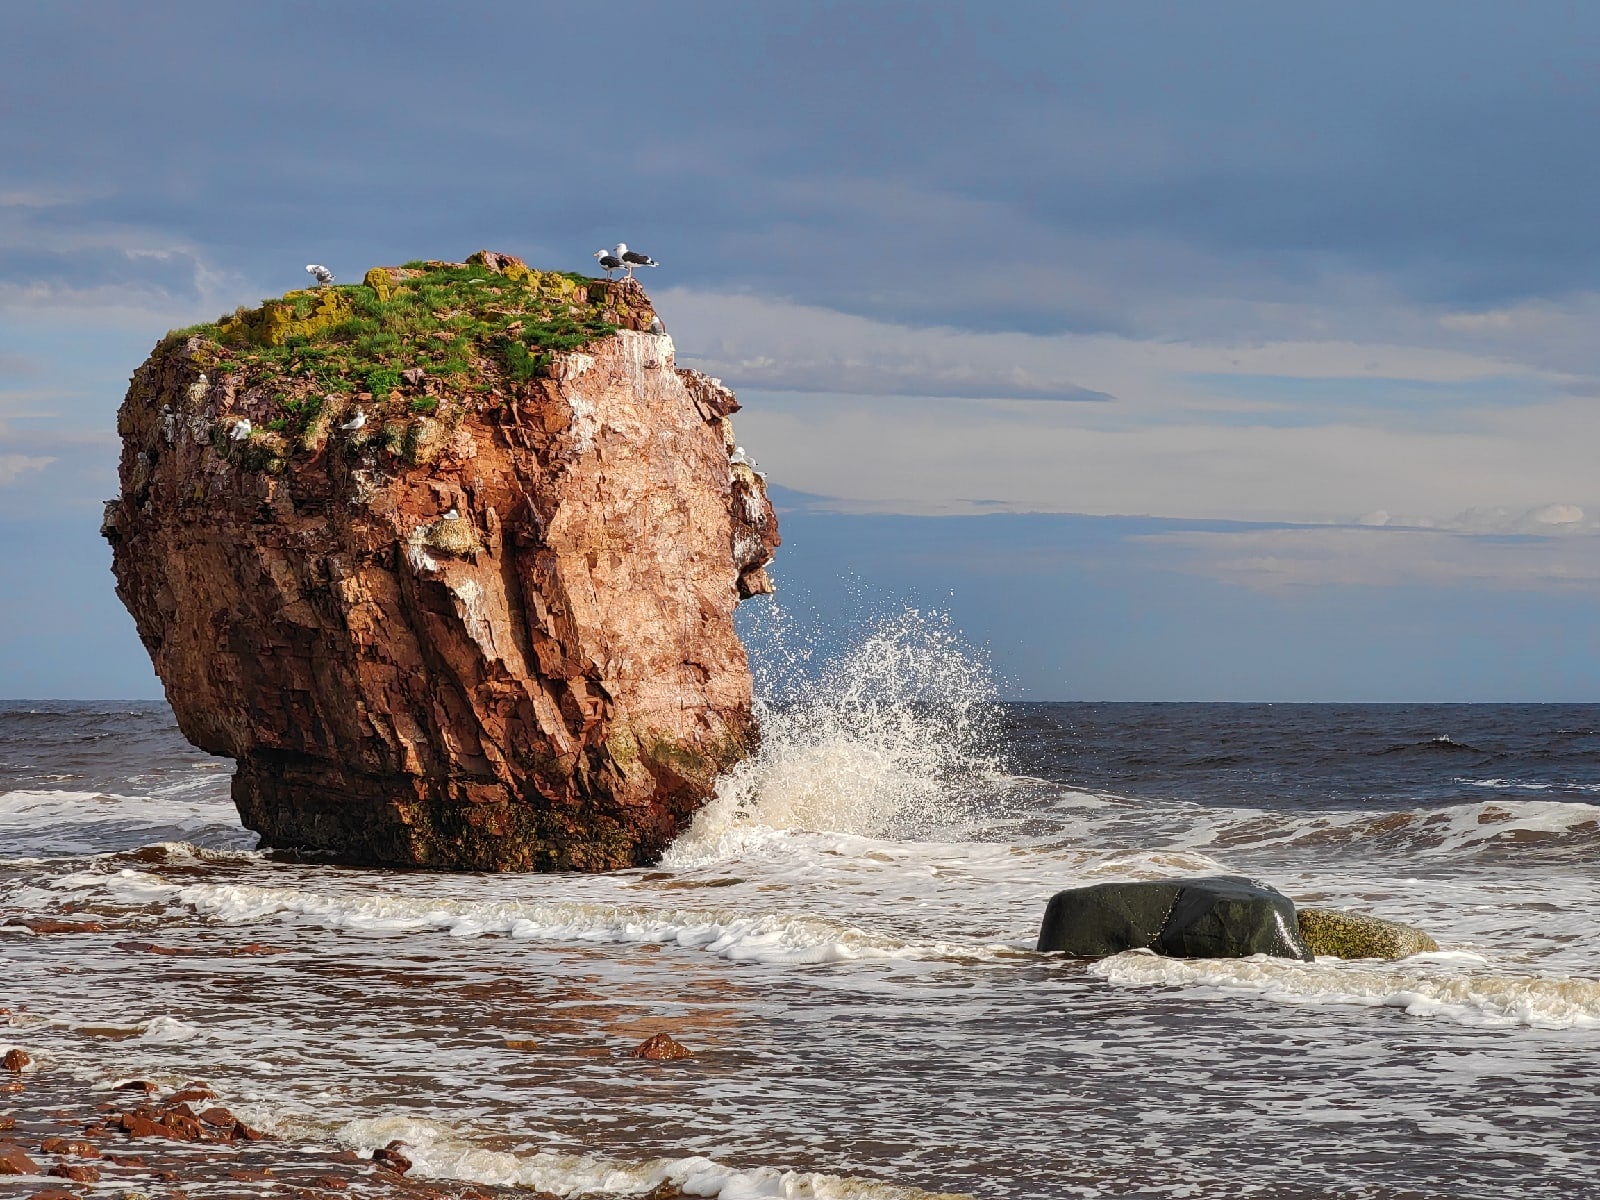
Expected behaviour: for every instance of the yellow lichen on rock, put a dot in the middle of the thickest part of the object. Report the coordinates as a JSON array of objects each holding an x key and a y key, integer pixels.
[
  {"x": 1329, "y": 931},
  {"x": 380, "y": 281},
  {"x": 452, "y": 535},
  {"x": 276, "y": 321}
]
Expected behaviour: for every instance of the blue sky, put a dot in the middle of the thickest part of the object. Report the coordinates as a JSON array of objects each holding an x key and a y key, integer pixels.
[{"x": 1181, "y": 351}]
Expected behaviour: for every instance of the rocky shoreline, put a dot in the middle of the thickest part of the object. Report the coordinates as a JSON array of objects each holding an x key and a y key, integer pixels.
[{"x": 62, "y": 1139}]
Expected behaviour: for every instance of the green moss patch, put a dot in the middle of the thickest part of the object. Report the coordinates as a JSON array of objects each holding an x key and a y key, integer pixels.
[{"x": 493, "y": 324}]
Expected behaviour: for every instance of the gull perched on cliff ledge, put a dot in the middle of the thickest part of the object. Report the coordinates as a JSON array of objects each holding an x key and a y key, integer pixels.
[
  {"x": 609, "y": 262},
  {"x": 355, "y": 422},
  {"x": 631, "y": 258},
  {"x": 320, "y": 273}
]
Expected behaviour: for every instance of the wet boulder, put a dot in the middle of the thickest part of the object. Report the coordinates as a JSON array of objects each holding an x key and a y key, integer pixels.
[
  {"x": 1221, "y": 916},
  {"x": 1330, "y": 931}
]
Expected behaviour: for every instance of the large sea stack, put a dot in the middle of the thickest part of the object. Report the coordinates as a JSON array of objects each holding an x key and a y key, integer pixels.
[{"x": 447, "y": 561}]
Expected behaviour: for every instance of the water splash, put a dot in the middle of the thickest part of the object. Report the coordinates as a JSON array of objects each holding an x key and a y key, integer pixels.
[{"x": 890, "y": 737}]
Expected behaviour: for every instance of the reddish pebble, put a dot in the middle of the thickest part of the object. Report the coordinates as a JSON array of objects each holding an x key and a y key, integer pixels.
[
  {"x": 390, "y": 1157},
  {"x": 126, "y": 1160},
  {"x": 136, "y": 1085},
  {"x": 8, "y": 1122},
  {"x": 61, "y": 1145},
  {"x": 660, "y": 1048},
  {"x": 49, "y": 925},
  {"x": 15, "y": 1060},
  {"x": 220, "y": 1117},
  {"x": 12, "y": 1088},
  {"x": 192, "y": 1092},
  {"x": 241, "y": 1130},
  {"x": 15, "y": 1161},
  {"x": 76, "y": 1173}
]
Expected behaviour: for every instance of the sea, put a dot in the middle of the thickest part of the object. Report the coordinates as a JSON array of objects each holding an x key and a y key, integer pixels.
[{"x": 843, "y": 940}]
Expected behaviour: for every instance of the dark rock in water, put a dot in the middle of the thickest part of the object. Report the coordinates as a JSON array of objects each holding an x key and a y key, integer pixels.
[
  {"x": 1212, "y": 917},
  {"x": 663, "y": 1047}
]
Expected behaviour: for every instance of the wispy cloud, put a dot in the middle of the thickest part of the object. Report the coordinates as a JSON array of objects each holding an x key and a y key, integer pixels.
[{"x": 14, "y": 466}]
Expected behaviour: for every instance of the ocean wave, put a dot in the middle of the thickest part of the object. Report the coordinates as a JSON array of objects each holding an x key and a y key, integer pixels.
[
  {"x": 892, "y": 737},
  {"x": 1520, "y": 785},
  {"x": 1459, "y": 829},
  {"x": 437, "y": 1152},
  {"x": 1535, "y": 1001},
  {"x": 739, "y": 936}
]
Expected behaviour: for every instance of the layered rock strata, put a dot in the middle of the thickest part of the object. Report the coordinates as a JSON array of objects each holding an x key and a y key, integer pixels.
[{"x": 453, "y": 581}]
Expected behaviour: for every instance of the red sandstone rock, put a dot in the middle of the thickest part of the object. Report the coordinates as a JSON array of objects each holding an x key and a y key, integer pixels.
[
  {"x": 661, "y": 1048},
  {"x": 241, "y": 1130},
  {"x": 7, "y": 1122},
  {"x": 15, "y": 1060},
  {"x": 220, "y": 1117},
  {"x": 12, "y": 1088},
  {"x": 191, "y": 1092},
  {"x": 50, "y": 925},
  {"x": 126, "y": 1160},
  {"x": 55, "y": 1193},
  {"x": 136, "y": 1085},
  {"x": 76, "y": 1172},
  {"x": 15, "y": 1161},
  {"x": 75, "y": 1146},
  {"x": 550, "y": 681},
  {"x": 390, "y": 1158}
]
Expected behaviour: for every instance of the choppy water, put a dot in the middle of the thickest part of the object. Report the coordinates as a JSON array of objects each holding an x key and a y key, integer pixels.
[{"x": 844, "y": 940}]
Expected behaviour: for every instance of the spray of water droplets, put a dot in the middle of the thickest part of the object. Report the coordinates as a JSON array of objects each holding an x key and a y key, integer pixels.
[{"x": 889, "y": 736}]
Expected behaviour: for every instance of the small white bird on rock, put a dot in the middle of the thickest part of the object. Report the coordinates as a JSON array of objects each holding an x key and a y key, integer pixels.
[
  {"x": 320, "y": 273},
  {"x": 355, "y": 422},
  {"x": 656, "y": 327},
  {"x": 609, "y": 262},
  {"x": 632, "y": 258},
  {"x": 452, "y": 515},
  {"x": 240, "y": 431}
]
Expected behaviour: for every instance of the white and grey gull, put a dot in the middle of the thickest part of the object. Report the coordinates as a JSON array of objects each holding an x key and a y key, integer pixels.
[
  {"x": 631, "y": 258},
  {"x": 355, "y": 422},
  {"x": 320, "y": 273}
]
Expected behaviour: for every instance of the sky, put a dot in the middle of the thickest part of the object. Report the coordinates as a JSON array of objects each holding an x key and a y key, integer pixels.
[{"x": 1212, "y": 350}]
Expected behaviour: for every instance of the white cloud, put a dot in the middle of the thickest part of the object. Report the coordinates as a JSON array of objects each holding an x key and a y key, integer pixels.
[{"x": 14, "y": 466}]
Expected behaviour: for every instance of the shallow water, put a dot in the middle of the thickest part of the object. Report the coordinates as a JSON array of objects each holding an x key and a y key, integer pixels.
[{"x": 844, "y": 940}]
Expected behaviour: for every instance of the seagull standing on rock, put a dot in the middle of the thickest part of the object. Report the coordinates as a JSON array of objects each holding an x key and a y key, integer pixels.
[
  {"x": 609, "y": 262},
  {"x": 631, "y": 258},
  {"x": 320, "y": 273},
  {"x": 355, "y": 422}
]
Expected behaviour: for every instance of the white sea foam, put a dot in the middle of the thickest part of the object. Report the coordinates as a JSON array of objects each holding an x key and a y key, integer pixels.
[
  {"x": 730, "y": 933},
  {"x": 887, "y": 739},
  {"x": 435, "y": 1151},
  {"x": 1541, "y": 1002}
]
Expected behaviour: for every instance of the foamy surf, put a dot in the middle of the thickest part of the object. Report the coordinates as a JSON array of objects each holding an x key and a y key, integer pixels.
[
  {"x": 769, "y": 938},
  {"x": 1538, "y": 1002},
  {"x": 437, "y": 1152}
]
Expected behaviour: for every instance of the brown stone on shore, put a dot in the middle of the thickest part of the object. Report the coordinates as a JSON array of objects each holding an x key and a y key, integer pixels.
[
  {"x": 74, "y": 1146},
  {"x": 126, "y": 1160},
  {"x": 14, "y": 1160},
  {"x": 77, "y": 1172},
  {"x": 16, "y": 1061},
  {"x": 391, "y": 1159},
  {"x": 137, "y": 1085},
  {"x": 51, "y": 925},
  {"x": 661, "y": 1048},
  {"x": 193, "y": 1091},
  {"x": 13, "y": 1087},
  {"x": 55, "y": 1193},
  {"x": 7, "y": 1121},
  {"x": 151, "y": 948},
  {"x": 219, "y": 1117},
  {"x": 492, "y": 629}
]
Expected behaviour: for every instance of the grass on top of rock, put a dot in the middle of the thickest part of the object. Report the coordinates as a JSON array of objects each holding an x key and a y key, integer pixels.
[{"x": 460, "y": 321}]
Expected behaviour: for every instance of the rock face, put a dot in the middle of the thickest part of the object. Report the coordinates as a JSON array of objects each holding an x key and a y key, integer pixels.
[
  {"x": 1212, "y": 917},
  {"x": 1355, "y": 935},
  {"x": 449, "y": 570}
]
